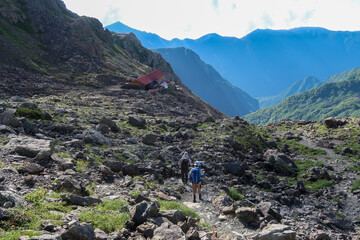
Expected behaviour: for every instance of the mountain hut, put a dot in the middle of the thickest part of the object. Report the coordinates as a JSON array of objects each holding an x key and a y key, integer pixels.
[{"x": 151, "y": 81}]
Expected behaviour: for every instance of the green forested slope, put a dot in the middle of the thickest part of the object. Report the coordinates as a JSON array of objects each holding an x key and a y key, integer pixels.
[{"x": 338, "y": 99}]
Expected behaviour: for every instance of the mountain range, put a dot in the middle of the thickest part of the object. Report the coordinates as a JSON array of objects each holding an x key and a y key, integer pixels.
[
  {"x": 296, "y": 88},
  {"x": 207, "y": 83},
  {"x": 340, "y": 98},
  {"x": 266, "y": 62}
]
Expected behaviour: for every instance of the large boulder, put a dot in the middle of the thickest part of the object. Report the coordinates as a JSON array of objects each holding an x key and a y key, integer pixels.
[
  {"x": 140, "y": 212},
  {"x": 61, "y": 128},
  {"x": 78, "y": 200},
  {"x": 83, "y": 231},
  {"x": 137, "y": 121},
  {"x": 235, "y": 168},
  {"x": 333, "y": 122},
  {"x": 31, "y": 168},
  {"x": 175, "y": 216},
  {"x": 168, "y": 232},
  {"x": 94, "y": 137},
  {"x": 110, "y": 123},
  {"x": 276, "y": 232},
  {"x": 7, "y": 197},
  {"x": 149, "y": 139},
  {"x": 8, "y": 118},
  {"x": 280, "y": 162},
  {"x": 30, "y": 147},
  {"x": 266, "y": 210},
  {"x": 69, "y": 184},
  {"x": 248, "y": 216}
]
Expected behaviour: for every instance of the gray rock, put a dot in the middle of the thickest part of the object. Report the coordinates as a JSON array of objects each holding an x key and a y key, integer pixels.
[
  {"x": 248, "y": 216},
  {"x": 222, "y": 201},
  {"x": 236, "y": 168},
  {"x": 81, "y": 201},
  {"x": 140, "y": 212},
  {"x": 80, "y": 232},
  {"x": 64, "y": 163},
  {"x": 332, "y": 122},
  {"x": 276, "y": 232},
  {"x": 30, "y": 147},
  {"x": 114, "y": 166},
  {"x": 146, "y": 229},
  {"x": 61, "y": 128},
  {"x": 137, "y": 121},
  {"x": 95, "y": 137},
  {"x": 168, "y": 232},
  {"x": 192, "y": 234},
  {"x": 101, "y": 235},
  {"x": 6, "y": 129},
  {"x": 174, "y": 216},
  {"x": 149, "y": 139},
  {"x": 266, "y": 210},
  {"x": 47, "y": 237},
  {"x": 13, "y": 198},
  {"x": 8, "y": 118},
  {"x": 319, "y": 173},
  {"x": 102, "y": 128},
  {"x": 280, "y": 162},
  {"x": 31, "y": 168},
  {"x": 69, "y": 184},
  {"x": 29, "y": 105},
  {"x": 111, "y": 124},
  {"x": 130, "y": 169}
]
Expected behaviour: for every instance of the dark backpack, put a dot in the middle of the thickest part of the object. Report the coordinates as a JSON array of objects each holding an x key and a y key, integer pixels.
[{"x": 185, "y": 164}]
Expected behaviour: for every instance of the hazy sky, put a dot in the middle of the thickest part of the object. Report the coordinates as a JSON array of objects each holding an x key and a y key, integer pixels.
[{"x": 195, "y": 18}]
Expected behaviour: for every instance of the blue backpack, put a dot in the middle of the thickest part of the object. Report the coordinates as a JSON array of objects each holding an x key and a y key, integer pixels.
[{"x": 195, "y": 175}]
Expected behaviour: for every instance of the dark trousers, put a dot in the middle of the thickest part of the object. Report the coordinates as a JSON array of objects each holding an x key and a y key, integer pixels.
[{"x": 184, "y": 175}]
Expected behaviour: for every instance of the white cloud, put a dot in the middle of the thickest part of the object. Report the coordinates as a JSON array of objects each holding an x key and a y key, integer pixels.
[{"x": 192, "y": 19}]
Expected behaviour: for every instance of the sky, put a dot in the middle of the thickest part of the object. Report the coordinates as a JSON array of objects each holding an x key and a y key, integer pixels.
[{"x": 195, "y": 18}]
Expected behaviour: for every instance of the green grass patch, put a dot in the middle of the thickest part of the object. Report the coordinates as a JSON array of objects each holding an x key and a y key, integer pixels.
[
  {"x": 29, "y": 113},
  {"x": 355, "y": 168},
  {"x": 4, "y": 141},
  {"x": 16, "y": 234},
  {"x": 301, "y": 149},
  {"x": 81, "y": 165},
  {"x": 340, "y": 214},
  {"x": 107, "y": 216},
  {"x": 235, "y": 195},
  {"x": 320, "y": 183},
  {"x": 305, "y": 164},
  {"x": 173, "y": 205},
  {"x": 356, "y": 185}
]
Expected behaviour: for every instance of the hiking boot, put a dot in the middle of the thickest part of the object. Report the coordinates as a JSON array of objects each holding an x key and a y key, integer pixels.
[
  {"x": 194, "y": 200},
  {"x": 200, "y": 197}
]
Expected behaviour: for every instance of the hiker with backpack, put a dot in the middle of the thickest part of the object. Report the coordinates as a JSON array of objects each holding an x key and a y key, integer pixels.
[
  {"x": 184, "y": 164},
  {"x": 196, "y": 176}
]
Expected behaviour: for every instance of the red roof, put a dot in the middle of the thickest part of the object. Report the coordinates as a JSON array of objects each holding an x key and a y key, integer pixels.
[{"x": 153, "y": 76}]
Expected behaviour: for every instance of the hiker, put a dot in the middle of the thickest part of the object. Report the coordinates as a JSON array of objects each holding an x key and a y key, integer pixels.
[
  {"x": 196, "y": 176},
  {"x": 184, "y": 164}
]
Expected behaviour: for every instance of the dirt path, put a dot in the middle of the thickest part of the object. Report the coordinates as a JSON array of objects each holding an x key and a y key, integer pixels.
[{"x": 211, "y": 215}]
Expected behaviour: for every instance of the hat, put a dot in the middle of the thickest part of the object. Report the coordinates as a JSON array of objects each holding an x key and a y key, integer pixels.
[{"x": 197, "y": 164}]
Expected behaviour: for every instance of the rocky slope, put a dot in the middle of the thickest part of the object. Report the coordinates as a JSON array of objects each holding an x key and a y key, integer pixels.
[
  {"x": 207, "y": 83},
  {"x": 102, "y": 165}
]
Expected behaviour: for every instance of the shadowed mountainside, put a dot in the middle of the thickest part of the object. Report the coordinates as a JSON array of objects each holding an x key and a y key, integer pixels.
[{"x": 207, "y": 83}]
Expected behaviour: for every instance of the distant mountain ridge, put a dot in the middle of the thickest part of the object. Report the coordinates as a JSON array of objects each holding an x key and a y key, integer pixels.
[
  {"x": 265, "y": 62},
  {"x": 296, "y": 88},
  {"x": 207, "y": 83},
  {"x": 334, "y": 99}
]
